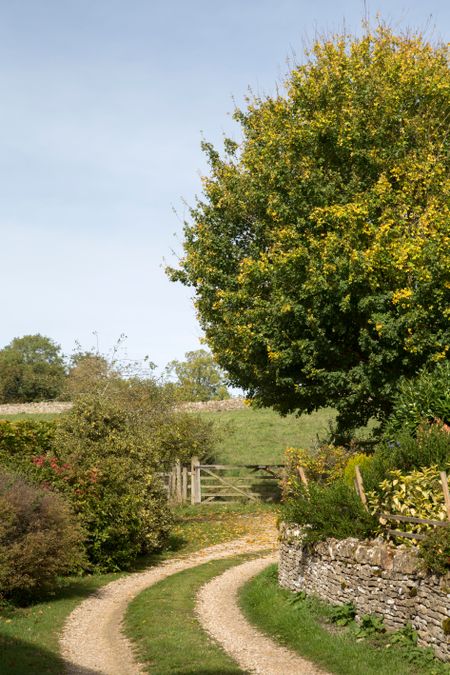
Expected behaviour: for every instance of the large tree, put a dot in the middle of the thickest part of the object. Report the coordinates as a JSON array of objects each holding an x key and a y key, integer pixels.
[
  {"x": 31, "y": 369},
  {"x": 319, "y": 250}
]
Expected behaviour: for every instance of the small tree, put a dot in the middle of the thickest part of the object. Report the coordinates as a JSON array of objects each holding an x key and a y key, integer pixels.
[
  {"x": 199, "y": 378},
  {"x": 31, "y": 369},
  {"x": 87, "y": 369}
]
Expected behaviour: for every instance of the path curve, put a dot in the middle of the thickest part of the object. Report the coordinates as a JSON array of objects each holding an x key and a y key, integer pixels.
[
  {"x": 219, "y": 613},
  {"x": 92, "y": 642}
]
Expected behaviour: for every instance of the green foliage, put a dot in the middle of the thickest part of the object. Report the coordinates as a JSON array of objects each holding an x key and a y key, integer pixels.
[
  {"x": 25, "y": 438},
  {"x": 87, "y": 370},
  {"x": 417, "y": 494},
  {"x": 31, "y": 369},
  {"x": 198, "y": 378},
  {"x": 39, "y": 537},
  {"x": 324, "y": 465},
  {"x": 425, "y": 398},
  {"x": 370, "y": 624},
  {"x": 109, "y": 455},
  {"x": 430, "y": 446},
  {"x": 343, "y": 615},
  {"x": 319, "y": 251},
  {"x": 358, "y": 459},
  {"x": 435, "y": 550},
  {"x": 332, "y": 510}
]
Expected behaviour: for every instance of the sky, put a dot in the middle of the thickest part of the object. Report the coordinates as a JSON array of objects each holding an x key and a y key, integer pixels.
[{"x": 104, "y": 106}]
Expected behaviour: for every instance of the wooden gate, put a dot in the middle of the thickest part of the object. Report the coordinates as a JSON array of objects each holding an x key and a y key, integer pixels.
[{"x": 205, "y": 483}]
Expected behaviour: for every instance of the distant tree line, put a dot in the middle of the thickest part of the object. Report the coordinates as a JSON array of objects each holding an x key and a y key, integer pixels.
[{"x": 33, "y": 368}]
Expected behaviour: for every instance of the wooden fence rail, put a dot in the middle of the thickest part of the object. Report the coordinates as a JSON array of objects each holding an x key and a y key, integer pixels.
[{"x": 384, "y": 518}]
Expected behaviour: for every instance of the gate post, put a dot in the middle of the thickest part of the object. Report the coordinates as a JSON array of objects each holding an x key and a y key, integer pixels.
[
  {"x": 178, "y": 488},
  {"x": 196, "y": 490},
  {"x": 184, "y": 485}
]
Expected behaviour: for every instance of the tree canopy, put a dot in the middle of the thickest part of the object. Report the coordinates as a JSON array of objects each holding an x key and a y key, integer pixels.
[
  {"x": 319, "y": 249},
  {"x": 31, "y": 369},
  {"x": 198, "y": 378}
]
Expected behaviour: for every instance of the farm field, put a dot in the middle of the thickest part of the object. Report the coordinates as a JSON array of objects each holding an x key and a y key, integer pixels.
[{"x": 260, "y": 436}]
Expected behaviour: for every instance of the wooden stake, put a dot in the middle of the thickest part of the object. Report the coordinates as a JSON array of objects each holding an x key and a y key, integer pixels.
[
  {"x": 302, "y": 474},
  {"x": 184, "y": 485},
  {"x": 444, "y": 481},
  {"x": 196, "y": 495},
  {"x": 179, "y": 494},
  {"x": 360, "y": 487}
]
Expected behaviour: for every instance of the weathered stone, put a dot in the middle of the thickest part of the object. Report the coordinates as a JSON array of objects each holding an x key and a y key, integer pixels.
[{"x": 377, "y": 577}]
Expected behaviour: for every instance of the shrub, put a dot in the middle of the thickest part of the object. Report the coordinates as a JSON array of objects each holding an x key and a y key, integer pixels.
[
  {"x": 39, "y": 538},
  {"x": 324, "y": 465},
  {"x": 429, "y": 446},
  {"x": 435, "y": 550},
  {"x": 25, "y": 437},
  {"x": 358, "y": 459},
  {"x": 107, "y": 455},
  {"x": 417, "y": 494},
  {"x": 423, "y": 398},
  {"x": 332, "y": 510}
]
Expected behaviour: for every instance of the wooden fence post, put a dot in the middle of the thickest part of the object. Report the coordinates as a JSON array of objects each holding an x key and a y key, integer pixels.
[
  {"x": 302, "y": 474},
  {"x": 184, "y": 485},
  {"x": 179, "y": 494},
  {"x": 173, "y": 484},
  {"x": 360, "y": 487},
  {"x": 444, "y": 481},
  {"x": 196, "y": 494}
]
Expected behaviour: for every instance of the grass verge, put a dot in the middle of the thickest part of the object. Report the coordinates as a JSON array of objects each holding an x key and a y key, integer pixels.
[
  {"x": 29, "y": 635},
  {"x": 304, "y": 625},
  {"x": 167, "y": 636}
]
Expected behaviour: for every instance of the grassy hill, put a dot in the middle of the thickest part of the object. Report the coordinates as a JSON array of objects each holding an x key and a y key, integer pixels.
[
  {"x": 260, "y": 436},
  {"x": 248, "y": 436}
]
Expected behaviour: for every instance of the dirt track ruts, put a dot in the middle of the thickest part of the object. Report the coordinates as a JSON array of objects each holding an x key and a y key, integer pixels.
[
  {"x": 219, "y": 613},
  {"x": 92, "y": 642}
]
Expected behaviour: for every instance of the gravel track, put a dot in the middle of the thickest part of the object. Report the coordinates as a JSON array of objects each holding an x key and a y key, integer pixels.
[
  {"x": 219, "y": 613},
  {"x": 92, "y": 642}
]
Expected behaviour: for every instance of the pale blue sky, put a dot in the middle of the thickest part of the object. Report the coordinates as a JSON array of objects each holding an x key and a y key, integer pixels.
[{"x": 103, "y": 107}]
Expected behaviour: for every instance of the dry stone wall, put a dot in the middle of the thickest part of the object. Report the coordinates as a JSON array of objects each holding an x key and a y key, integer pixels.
[{"x": 377, "y": 577}]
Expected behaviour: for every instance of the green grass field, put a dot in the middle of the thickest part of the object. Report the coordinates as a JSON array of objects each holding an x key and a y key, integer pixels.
[
  {"x": 29, "y": 416},
  {"x": 261, "y": 436}
]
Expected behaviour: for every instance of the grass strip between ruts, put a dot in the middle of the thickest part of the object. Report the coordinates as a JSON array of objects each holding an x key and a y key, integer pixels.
[
  {"x": 304, "y": 627},
  {"x": 167, "y": 636}
]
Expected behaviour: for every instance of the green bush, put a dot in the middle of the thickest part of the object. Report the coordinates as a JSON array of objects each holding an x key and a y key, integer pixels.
[
  {"x": 358, "y": 459},
  {"x": 435, "y": 550},
  {"x": 422, "y": 398},
  {"x": 107, "y": 457},
  {"x": 332, "y": 510},
  {"x": 417, "y": 494},
  {"x": 39, "y": 537},
  {"x": 26, "y": 437},
  {"x": 428, "y": 447}
]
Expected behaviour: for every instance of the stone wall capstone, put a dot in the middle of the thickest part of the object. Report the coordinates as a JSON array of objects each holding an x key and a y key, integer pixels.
[{"x": 377, "y": 577}]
